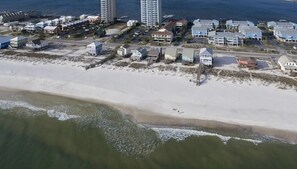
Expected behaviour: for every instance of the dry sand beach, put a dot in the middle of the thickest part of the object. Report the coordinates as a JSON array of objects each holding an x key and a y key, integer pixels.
[{"x": 155, "y": 97}]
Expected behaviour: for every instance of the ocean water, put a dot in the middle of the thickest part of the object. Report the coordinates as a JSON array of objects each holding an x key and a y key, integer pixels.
[
  {"x": 49, "y": 132},
  {"x": 254, "y": 10}
]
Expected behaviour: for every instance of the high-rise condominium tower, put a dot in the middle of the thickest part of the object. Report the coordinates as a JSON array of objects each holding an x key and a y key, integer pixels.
[
  {"x": 151, "y": 13},
  {"x": 108, "y": 10}
]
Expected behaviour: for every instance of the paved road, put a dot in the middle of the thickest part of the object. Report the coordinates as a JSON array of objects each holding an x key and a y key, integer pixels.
[{"x": 113, "y": 45}]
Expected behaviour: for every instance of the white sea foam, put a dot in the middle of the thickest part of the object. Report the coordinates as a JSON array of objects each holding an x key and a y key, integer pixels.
[
  {"x": 8, "y": 104},
  {"x": 60, "y": 115},
  {"x": 166, "y": 134}
]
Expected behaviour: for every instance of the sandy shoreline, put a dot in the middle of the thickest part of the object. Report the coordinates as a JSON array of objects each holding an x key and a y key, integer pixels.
[{"x": 164, "y": 98}]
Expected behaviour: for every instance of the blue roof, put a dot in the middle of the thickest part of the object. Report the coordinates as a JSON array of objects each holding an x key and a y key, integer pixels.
[{"x": 5, "y": 39}]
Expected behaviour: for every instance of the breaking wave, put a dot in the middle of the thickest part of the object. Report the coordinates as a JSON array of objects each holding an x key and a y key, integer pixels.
[
  {"x": 166, "y": 134},
  {"x": 123, "y": 134},
  {"x": 7, "y": 104}
]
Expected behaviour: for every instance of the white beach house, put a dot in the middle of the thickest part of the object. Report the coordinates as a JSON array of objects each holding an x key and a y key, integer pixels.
[
  {"x": 206, "y": 56},
  {"x": 250, "y": 32},
  {"x": 18, "y": 41},
  {"x": 37, "y": 44},
  {"x": 123, "y": 50},
  {"x": 94, "y": 49},
  {"x": 287, "y": 64}
]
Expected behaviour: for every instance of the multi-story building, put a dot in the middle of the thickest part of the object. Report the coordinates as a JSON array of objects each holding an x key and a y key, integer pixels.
[
  {"x": 225, "y": 38},
  {"x": 94, "y": 49},
  {"x": 281, "y": 24},
  {"x": 108, "y": 10},
  {"x": 285, "y": 34},
  {"x": 234, "y": 25},
  {"x": 210, "y": 23},
  {"x": 151, "y": 13},
  {"x": 250, "y": 32}
]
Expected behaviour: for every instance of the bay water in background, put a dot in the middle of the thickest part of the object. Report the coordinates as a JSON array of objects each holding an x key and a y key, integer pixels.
[
  {"x": 254, "y": 10},
  {"x": 50, "y": 132}
]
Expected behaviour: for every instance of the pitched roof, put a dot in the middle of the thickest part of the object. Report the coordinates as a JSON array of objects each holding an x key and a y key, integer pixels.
[
  {"x": 162, "y": 32},
  {"x": 5, "y": 38},
  {"x": 206, "y": 51},
  {"x": 188, "y": 53},
  {"x": 201, "y": 27},
  {"x": 125, "y": 46},
  {"x": 36, "y": 41},
  {"x": 18, "y": 38},
  {"x": 172, "y": 51},
  {"x": 52, "y": 28},
  {"x": 284, "y": 59},
  {"x": 250, "y": 29},
  {"x": 169, "y": 26},
  {"x": 95, "y": 44},
  {"x": 286, "y": 31},
  {"x": 154, "y": 52}
]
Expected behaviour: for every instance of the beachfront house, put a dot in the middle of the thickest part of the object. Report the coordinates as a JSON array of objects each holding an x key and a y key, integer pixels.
[
  {"x": 51, "y": 29},
  {"x": 234, "y": 25},
  {"x": 123, "y": 50},
  {"x": 94, "y": 49},
  {"x": 281, "y": 24},
  {"x": 18, "y": 42},
  {"x": 171, "y": 54},
  {"x": 154, "y": 54},
  {"x": 132, "y": 23},
  {"x": 188, "y": 56},
  {"x": 138, "y": 54},
  {"x": 285, "y": 34},
  {"x": 4, "y": 41},
  {"x": 225, "y": 38},
  {"x": 200, "y": 30},
  {"x": 287, "y": 65},
  {"x": 37, "y": 44},
  {"x": 206, "y": 56},
  {"x": 212, "y": 24},
  {"x": 250, "y": 32}
]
